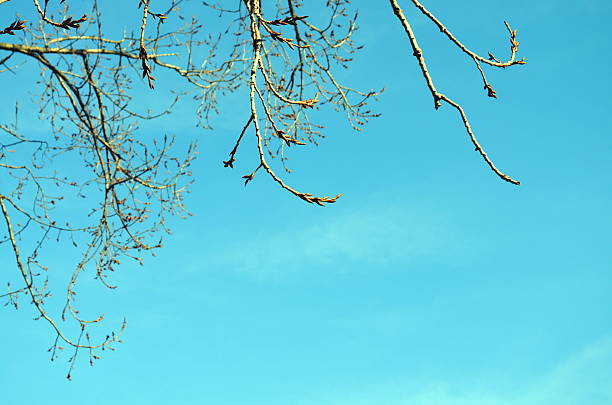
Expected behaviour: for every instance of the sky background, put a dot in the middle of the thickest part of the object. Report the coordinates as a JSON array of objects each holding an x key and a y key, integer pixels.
[{"x": 430, "y": 282}]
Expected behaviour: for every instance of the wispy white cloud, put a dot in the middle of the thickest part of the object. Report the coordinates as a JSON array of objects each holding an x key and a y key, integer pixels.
[
  {"x": 584, "y": 378},
  {"x": 370, "y": 236}
]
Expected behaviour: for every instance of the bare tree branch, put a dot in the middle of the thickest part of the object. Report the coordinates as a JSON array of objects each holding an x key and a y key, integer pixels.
[{"x": 115, "y": 207}]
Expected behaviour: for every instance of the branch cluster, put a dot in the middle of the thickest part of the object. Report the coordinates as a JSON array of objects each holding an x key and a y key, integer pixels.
[{"x": 125, "y": 184}]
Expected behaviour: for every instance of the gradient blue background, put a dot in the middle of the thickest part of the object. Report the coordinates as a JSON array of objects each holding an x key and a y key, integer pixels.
[{"x": 430, "y": 282}]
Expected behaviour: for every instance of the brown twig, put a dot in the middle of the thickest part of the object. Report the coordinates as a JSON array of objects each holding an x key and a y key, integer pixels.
[
  {"x": 16, "y": 25},
  {"x": 65, "y": 24}
]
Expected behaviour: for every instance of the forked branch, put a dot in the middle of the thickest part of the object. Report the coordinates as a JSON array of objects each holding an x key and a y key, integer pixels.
[{"x": 439, "y": 97}]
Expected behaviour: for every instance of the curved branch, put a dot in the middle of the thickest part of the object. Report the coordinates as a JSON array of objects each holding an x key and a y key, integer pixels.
[
  {"x": 35, "y": 300},
  {"x": 438, "y": 97},
  {"x": 491, "y": 60}
]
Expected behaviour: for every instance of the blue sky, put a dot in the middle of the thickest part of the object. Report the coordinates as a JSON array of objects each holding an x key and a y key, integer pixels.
[{"x": 430, "y": 282}]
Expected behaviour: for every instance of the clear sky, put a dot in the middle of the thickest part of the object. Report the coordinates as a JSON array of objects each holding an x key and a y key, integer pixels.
[{"x": 430, "y": 282}]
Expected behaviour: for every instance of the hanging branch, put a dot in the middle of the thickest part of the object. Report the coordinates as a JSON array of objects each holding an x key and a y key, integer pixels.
[
  {"x": 115, "y": 207},
  {"x": 439, "y": 97}
]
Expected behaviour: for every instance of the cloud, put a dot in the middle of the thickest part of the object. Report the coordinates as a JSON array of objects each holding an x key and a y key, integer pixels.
[
  {"x": 370, "y": 236},
  {"x": 584, "y": 378}
]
